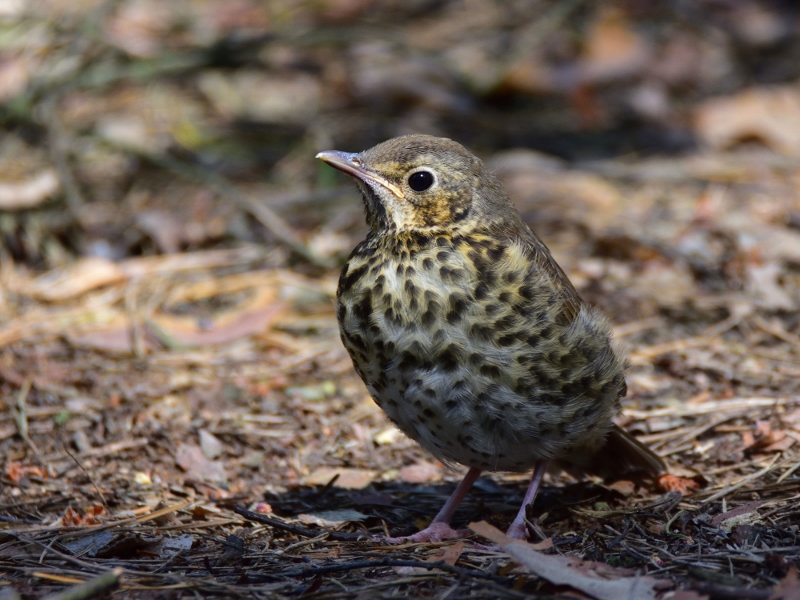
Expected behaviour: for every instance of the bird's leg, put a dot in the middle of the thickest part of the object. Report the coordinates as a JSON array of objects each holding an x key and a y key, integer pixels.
[
  {"x": 440, "y": 529},
  {"x": 519, "y": 529}
]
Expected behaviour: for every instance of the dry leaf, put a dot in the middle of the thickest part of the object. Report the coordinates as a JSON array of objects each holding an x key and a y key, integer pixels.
[
  {"x": 422, "y": 472},
  {"x": 613, "y": 48},
  {"x": 29, "y": 193},
  {"x": 596, "y": 579},
  {"x": 191, "y": 459},
  {"x": 332, "y": 518},
  {"x": 674, "y": 483},
  {"x": 770, "y": 115},
  {"x": 788, "y": 588},
  {"x": 83, "y": 275},
  {"x": 210, "y": 444},
  {"x": 349, "y": 479}
]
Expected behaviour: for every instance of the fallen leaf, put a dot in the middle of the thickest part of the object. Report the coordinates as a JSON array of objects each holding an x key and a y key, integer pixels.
[
  {"x": 768, "y": 114},
  {"x": 113, "y": 339},
  {"x": 624, "y": 487},
  {"x": 763, "y": 281},
  {"x": 735, "y": 512},
  {"x": 765, "y": 439},
  {"x": 741, "y": 515},
  {"x": 191, "y": 459},
  {"x": 349, "y": 479},
  {"x": 91, "y": 516},
  {"x": 332, "y": 518},
  {"x": 210, "y": 444},
  {"x": 29, "y": 193},
  {"x": 674, "y": 483},
  {"x": 253, "y": 318},
  {"x": 15, "y": 471},
  {"x": 613, "y": 49},
  {"x": 83, "y": 275},
  {"x": 596, "y": 579},
  {"x": 788, "y": 588},
  {"x": 422, "y": 472},
  {"x": 451, "y": 554}
]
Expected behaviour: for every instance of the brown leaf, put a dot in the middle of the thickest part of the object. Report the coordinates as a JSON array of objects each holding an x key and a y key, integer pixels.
[
  {"x": 673, "y": 483},
  {"x": 422, "y": 472},
  {"x": 770, "y": 115},
  {"x": 624, "y": 487},
  {"x": 114, "y": 339},
  {"x": 735, "y": 512},
  {"x": 349, "y": 479},
  {"x": 29, "y": 193},
  {"x": 210, "y": 444},
  {"x": 191, "y": 459},
  {"x": 613, "y": 48},
  {"x": 596, "y": 579},
  {"x": 83, "y": 275},
  {"x": 453, "y": 553},
  {"x": 788, "y": 588},
  {"x": 252, "y": 319}
]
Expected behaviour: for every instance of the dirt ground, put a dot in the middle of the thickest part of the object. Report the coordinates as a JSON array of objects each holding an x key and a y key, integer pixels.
[{"x": 179, "y": 418}]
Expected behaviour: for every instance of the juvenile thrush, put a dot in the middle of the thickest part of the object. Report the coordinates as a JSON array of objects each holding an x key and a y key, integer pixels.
[{"x": 467, "y": 333}]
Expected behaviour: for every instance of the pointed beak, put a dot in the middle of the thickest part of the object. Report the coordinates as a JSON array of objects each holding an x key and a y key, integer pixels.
[{"x": 351, "y": 164}]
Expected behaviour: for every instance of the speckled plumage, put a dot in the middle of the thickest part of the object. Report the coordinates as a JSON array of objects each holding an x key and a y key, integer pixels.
[{"x": 464, "y": 329}]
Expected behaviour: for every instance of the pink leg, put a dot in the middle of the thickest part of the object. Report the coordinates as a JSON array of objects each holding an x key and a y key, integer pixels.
[
  {"x": 440, "y": 529},
  {"x": 519, "y": 529}
]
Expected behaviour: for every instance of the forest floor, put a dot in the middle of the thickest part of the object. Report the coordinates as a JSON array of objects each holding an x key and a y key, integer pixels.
[{"x": 170, "y": 357}]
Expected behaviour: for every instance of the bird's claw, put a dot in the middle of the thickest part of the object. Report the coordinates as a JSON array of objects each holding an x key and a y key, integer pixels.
[{"x": 435, "y": 532}]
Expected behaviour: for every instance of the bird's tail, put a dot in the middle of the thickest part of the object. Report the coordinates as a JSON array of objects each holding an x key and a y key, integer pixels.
[{"x": 623, "y": 454}]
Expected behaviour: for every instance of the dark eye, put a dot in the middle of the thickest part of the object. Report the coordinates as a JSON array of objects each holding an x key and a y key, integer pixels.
[{"x": 420, "y": 181}]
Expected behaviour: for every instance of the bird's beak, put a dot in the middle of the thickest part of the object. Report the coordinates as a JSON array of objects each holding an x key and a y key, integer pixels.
[{"x": 351, "y": 164}]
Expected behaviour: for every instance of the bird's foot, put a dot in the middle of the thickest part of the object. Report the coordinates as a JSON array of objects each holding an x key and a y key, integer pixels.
[
  {"x": 518, "y": 531},
  {"x": 435, "y": 532}
]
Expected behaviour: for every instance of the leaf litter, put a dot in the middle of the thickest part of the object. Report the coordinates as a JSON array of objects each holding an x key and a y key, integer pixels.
[{"x": 169, "y": 353}]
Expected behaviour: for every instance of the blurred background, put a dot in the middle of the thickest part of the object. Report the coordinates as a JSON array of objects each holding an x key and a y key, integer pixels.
[
  {"x": 169, "y": 252},
  {"x": 140, "y": 127}
]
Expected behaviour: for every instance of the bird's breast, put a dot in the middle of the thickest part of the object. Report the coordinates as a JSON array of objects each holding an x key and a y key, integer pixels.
[{"x": 461, "y": 344}]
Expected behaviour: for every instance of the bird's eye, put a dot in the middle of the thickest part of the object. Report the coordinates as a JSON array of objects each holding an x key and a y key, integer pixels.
[{"x": 421, "y": 181}]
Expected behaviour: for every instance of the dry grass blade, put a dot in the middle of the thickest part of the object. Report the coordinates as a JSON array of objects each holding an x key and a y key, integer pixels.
[
  {"x": 92, "y": 588},
  {"x": 743, "y": 482}
]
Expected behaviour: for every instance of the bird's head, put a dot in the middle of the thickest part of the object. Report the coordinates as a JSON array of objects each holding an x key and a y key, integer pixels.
[{"x": 421, "y": 182}]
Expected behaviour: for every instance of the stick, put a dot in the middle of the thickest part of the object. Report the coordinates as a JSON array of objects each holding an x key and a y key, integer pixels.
[
  {"x": 341, "y": 536},
  {"x": 91, "y": 588}
]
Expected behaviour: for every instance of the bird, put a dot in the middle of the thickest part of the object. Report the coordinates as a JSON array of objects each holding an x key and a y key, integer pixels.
[{"x": 468, "y": 334}]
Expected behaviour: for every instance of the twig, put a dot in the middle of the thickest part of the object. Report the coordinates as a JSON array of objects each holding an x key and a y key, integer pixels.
[
  {"x": 341, "y": 536},
  {"x": 91, "y": 479},
  {"x": 743, "y": 482},
  {"x": 789, "y": 472},
  {"x": 21, "y": 418},
  {"x": 710, "y": 407},
  {"x": 108, "y": 449},
  {"x": 302, "y": 543},
  {"x": 643, "y": 355},
  {"x": 91, "y": 588},
  {"x": 776, "y": 330}
]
